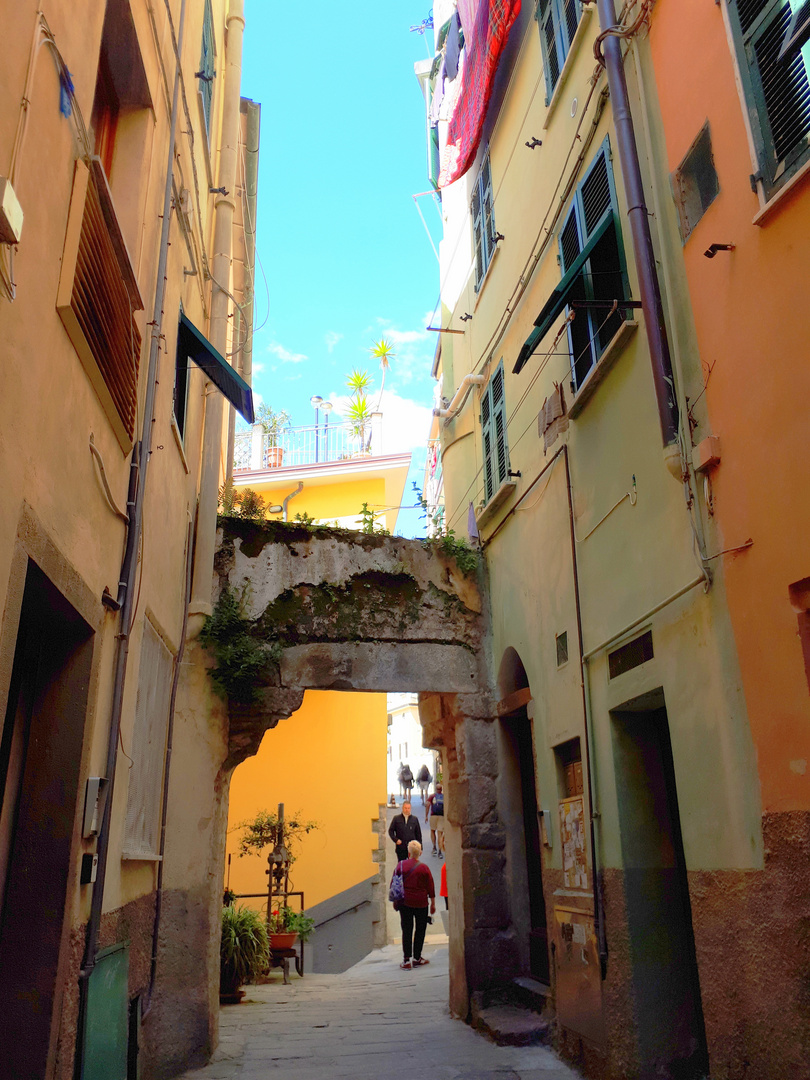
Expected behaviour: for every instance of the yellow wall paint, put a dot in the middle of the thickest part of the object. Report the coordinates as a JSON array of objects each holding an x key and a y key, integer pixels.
[{"x": 327, "y": 761}]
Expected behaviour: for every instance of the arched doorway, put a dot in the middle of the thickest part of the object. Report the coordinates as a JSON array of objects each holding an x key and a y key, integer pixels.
[{"x": 518, "y": 801}]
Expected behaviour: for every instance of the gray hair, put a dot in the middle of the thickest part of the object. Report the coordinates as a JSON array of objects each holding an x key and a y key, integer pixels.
[{"x": 414, "y": 849}]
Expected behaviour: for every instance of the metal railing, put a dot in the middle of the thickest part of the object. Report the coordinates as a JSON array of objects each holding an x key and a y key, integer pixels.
[{"x": 318, "y": 444}]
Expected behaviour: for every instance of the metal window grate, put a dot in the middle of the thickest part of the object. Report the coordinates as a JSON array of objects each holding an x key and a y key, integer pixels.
[
  {"x": 562, "y": 648},
  {"x": 148, "y": 747},
  {"x": 631, "y": 655},
  {"x": 695, "y": 182}
]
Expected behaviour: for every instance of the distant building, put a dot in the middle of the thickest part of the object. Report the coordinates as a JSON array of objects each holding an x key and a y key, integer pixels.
[{"x": 405, "y": 742}]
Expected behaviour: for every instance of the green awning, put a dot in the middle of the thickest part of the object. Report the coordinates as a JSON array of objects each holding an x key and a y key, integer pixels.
[
  {"x": 559, "y": 297},
  {"x": 194, "y": 345}
]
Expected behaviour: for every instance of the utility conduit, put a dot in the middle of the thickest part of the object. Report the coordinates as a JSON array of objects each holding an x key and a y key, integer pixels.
[{"x": 458, "y": 398}]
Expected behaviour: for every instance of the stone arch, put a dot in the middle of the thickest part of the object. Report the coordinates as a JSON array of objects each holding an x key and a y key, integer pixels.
[
  {"x": 355, "y": 611},
  {"x": 511, "y": 674}
]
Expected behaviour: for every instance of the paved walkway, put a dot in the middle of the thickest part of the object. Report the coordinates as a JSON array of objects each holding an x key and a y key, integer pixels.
[{"x": 373, "y": 1022}]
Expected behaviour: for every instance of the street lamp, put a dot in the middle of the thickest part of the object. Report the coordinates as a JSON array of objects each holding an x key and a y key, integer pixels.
[
  {"x": 326, "y": 408},
  {"x": 316, "y": 401}
]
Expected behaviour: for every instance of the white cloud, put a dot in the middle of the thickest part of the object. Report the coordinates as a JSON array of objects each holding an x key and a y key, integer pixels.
[
  {"x": 405, "y": 423},
  {"x": 277, "y": 349},
  {"x": 413, "y": 351},
  {"x": 332, "y": 337},
  {"x": 257, "y": 368}
]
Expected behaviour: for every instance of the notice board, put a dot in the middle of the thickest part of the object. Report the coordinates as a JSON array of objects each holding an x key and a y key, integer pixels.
[{"x": 572, "y": 837}]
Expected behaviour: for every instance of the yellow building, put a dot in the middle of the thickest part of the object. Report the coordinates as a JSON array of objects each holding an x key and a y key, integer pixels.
[
  {"x": 327, "y": 762},
  {"x": 120, "y": 123}
]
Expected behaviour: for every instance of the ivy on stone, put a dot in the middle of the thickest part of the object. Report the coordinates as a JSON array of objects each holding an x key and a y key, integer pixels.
[{"x": 241, "y": 659}]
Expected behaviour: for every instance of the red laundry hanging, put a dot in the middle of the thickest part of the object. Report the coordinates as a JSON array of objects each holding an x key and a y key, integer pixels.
[{"x": 493, "y": 21}]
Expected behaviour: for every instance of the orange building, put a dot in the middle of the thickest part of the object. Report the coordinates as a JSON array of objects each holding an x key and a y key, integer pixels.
[{"x": 733, "y": 87}]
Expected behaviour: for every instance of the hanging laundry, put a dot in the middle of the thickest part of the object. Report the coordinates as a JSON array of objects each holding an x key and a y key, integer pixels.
[
  {"x": 438, "y": 94},
  {"x": 483, "y": 48},
  {"x": 552, "y": 420},
  {"x": 452, "y": 47}
]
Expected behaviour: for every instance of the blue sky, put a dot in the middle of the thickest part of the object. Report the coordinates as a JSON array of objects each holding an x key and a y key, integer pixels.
[{"x": 342, "y": 245}]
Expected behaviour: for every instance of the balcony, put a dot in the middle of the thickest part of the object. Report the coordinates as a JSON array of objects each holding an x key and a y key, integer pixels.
[{"x": 322, "y": 444}]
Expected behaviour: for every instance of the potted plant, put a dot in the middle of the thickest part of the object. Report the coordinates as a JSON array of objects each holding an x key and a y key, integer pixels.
[
  {"x": 357, "y": 410},
  {"x": 244, "y": 951},
  {"x": 274, "y": 425},
  {"x": 285, "y": 925}
]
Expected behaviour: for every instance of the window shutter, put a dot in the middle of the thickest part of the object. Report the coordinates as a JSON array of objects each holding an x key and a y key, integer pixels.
[
  {"x": 148, "y": 747},
  {"x": 493, "y": 429},
  {"x": 595, "y": 195},
  {"x": 777, "y": 91},
  {"x": 570, "y": 245},
  {"x": 206, "y": 84},
  {"x": 478, "y": 234},
  {"x": 548, "y": 40}
]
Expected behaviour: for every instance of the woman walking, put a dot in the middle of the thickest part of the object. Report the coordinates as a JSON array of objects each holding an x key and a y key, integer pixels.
[{"x": 413, "y": 912}]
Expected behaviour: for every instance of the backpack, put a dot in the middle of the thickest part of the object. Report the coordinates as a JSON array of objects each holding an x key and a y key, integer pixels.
[
  {"x": 437, "y": 806},
  {"x": 397, "y": 891},
  {"x": 407, "y": 776}
]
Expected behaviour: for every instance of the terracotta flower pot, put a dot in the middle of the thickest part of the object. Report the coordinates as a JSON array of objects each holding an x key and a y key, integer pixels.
[
  {"x": 273, "y": 457},
  {"x": 282, "y": 940}
]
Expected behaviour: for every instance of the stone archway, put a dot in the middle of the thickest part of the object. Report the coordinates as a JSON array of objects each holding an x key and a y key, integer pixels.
[{"x": 355, "y": 611}]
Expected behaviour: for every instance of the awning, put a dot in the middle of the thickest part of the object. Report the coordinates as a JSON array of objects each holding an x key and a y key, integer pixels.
[
  {"x": 483, "y": 48},
  {"x": 194, "y": 345},
  {"x": 559, "y": 297}
]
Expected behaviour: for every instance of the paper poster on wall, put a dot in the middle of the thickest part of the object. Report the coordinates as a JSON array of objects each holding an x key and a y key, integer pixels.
[{"x": 572, "y": 836}]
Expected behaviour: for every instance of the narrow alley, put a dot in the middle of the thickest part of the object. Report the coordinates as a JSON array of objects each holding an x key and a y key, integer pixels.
[{"x": 373, "y": 1021}]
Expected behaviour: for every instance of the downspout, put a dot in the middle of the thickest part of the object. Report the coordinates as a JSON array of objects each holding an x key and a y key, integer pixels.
[
  {"x": 221, "y": 278},
  {"x": 460, "y": 395},
  {"x": 590, "y": 770},
  {"x": 292, "y": 495},
  {"x": 251, "y": 189},
  {"x": 649, "y": 285},
  {"x": 138, "y": 469}
]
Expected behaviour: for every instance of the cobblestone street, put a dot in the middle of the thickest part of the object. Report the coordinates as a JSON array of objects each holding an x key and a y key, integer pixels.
[{"x": 372, "y": 1022}]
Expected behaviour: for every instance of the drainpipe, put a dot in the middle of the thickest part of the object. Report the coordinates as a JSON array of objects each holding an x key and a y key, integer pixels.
[
  {"x": 460, "y": 395},
  {"x": 221, "y": 280},
  {"x": 590, "y": 769},
  {"x": 140, "y": 463},
  {"x": 292, "y": 495},
  {"x": 649, "y": 286},
  {"x": 251, "y": 188}
]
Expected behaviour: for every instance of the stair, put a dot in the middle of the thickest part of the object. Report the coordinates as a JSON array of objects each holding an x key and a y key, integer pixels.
[{"x": 516, "y": 1014}]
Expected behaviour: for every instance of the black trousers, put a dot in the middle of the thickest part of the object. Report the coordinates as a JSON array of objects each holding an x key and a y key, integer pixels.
[{"x": 410, "y": 937}]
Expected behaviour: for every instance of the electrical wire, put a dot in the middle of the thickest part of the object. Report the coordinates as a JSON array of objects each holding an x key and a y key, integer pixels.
[{"x": 99, "y": 460}]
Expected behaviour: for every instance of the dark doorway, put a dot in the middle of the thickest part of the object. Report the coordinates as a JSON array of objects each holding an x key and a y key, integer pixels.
[
  {"x": 669, "y": 1013},
  {"x": 40, "y": 758},
  {"x": 518, "y": 732}
]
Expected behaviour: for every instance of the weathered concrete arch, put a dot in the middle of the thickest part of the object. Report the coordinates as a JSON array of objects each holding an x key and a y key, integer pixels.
[{"x": 353, "y": 611}]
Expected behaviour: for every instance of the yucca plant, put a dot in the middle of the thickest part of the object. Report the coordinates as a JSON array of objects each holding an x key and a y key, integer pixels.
[{"x": 244, "y": 950}]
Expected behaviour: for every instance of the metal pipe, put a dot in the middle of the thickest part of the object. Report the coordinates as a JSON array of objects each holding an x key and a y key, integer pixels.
[
  {"x": 251, "y": 188},
  {"x": 138, "y": 469},
  {"x": 649, "y": 285},
  {"x": 205, "y": 540},
  {"x": 590, "y": 770},
  {"x": 460, "y": 394},
  {"x": 292, "y": 495}
]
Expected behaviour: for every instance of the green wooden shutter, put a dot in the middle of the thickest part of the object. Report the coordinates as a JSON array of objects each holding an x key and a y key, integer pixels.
[
  {"x": 777, "y": 92},
  {"x": 493, "y": 430},
  {"x": 206, "y": 83}
]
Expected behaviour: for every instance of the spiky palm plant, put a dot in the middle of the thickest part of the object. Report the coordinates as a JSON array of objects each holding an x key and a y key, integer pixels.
[
  {"x": 244, "y": 950},
  {"x": 383, "y": 351}
]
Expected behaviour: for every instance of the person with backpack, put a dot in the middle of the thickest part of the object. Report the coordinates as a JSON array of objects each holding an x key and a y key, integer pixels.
[
  {"x": 434, "y": 814},
  {"x": 406, "y": 779},
  {"x": 412, "y": 894},
  {"x": 423, "y": 779}
]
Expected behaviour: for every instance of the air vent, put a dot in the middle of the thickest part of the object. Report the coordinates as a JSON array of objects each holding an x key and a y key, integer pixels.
[{"x": 632, "y": 655}]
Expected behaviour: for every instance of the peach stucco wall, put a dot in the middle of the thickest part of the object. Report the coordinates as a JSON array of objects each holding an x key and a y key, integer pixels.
[{"x": 750, "y": 311}]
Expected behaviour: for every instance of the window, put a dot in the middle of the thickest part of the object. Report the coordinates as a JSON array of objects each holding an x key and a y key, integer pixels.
[
  {"x": 142, "y": 826},
  {"x": 483, "y": 222},
  {"x": 777, "y": 91},
  {"x": 592, "y": 230},
  {"x": 205, "y": 76},
  {"x": 558, "y": 21},
  {"x": 562, "y": 648},
  {"x": 493, "y": 431},
  {"x": 694, "y": 183},
  {"x": 632, "y": 655},
  {"x": 569, "y": 763}
]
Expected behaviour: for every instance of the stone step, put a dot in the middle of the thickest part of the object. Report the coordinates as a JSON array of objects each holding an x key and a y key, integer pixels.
[
  {"x": 511, "y": 1025},
  {"x": 535, "y": 995}
]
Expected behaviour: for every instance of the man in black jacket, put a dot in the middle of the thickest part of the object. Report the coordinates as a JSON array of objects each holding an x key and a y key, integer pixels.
[{"x": 403, "y": 829}]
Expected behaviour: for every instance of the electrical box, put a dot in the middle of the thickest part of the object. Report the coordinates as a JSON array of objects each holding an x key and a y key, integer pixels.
[
  {"x": 95, "y": 796},
  {"x": 11, "y": 215},
  {"x": 89, "y": 868}
]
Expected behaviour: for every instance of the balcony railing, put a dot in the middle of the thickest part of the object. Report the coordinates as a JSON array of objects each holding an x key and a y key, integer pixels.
[{"x": 255, "y": 449}]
